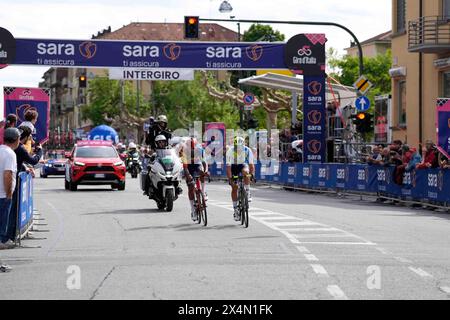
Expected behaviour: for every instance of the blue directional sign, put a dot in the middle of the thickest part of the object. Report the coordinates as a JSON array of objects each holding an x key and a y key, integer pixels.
[{"x": 362, "y": 103}]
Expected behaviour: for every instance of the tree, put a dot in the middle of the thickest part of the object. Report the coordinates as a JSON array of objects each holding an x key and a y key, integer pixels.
[
  {"x": 187, "y": 101},
  {"x": 260, "y": 32},
  {"x": 375, "y": 69},
  {"x": 104, "y": 106}
]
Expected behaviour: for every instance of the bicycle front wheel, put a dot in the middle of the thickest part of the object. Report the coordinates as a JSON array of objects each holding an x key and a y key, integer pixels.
[{"x": 203, "y": 212}]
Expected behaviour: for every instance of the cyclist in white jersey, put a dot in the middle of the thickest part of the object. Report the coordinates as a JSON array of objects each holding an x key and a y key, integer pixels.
[{"x": 240, "y": 160}]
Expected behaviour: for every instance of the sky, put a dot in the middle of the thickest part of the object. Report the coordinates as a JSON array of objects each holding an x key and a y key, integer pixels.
[{"x": 55, "y": 19}]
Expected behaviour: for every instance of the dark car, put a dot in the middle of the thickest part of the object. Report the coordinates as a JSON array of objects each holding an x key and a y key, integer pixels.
[
  {"x": 94, "y": 163},
  {"x": 54, "y": 165}
]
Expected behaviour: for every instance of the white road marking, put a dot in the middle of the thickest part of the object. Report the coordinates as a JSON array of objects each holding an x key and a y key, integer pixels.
[
  {"x": 420, "y": 272},
  {"x": 403, "y": 260},
  {"x": 382, "y": 250},
  {"x": 311, "y": 229},
  {"x": 302, "y": 249},
  {"x": 320, "y": 270},
  {"x": 339, "y": 243},
  {"x": 311, "y": 257},
  {"x": 275, "y": 218},
  {"x": 445, "y": 289},
  {"x": 336, "y": 292},
  {"x": 312, "y": 235},
  {"x": 269, "y": 219},
  {"x": 293, "y": 223}
]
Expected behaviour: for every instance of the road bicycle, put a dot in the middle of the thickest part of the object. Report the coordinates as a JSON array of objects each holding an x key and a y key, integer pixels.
[
  {"x": 200, "y": 203},
  {"x": 243, "y": 205}
]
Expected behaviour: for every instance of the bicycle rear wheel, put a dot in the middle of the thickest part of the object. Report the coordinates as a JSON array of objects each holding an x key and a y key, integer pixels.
[
  {"x": 242, "y": 195},
  {"x": 198, "y": 206},
  {"x": 203, "y": 212}
]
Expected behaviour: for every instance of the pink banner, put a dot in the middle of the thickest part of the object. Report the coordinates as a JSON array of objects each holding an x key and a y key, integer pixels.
[
  {"x": 19, "y": 100},
  {"x": 443, "y": 126}
]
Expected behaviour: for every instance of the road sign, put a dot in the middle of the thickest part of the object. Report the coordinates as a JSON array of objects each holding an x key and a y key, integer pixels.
[
  {"x": 249, "y": 108},
  {"x": 362, "y": 85},
  {"x": 249, "y": 99},
  {"x": 362, "y": 103}
]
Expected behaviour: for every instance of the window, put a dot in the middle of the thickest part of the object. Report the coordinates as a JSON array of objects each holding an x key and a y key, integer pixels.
[
  {"x": 401, "y": 16},
  {"x": 446, "y": 85},
  {"x": 402, "y": 103},
  {"x": 446, "y": 8}
]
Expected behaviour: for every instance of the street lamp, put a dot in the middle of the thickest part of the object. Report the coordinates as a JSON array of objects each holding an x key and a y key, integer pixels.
[{"x": 225, "y": 7}]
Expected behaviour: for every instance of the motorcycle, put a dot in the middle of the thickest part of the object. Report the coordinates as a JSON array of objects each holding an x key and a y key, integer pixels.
[
  {"x": 162, "y": 179},
  {"x": 134, "y": 165}
]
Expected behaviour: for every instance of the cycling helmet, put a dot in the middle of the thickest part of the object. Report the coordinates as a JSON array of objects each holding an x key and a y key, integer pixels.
[
  {"x": 239, "y": 141},
  {"x": 132, "y": 145}
]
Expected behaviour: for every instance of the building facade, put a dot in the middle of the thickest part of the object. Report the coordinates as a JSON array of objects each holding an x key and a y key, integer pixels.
[
  {"x": 420, "y": 67},
  {"x": 372, "y": 47}
]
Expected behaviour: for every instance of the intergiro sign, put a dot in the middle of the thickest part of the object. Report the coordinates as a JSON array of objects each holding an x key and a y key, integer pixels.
[{"x": 149, "y": 54}]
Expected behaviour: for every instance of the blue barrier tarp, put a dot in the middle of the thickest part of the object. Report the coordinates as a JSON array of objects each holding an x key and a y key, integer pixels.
[{"x": 419, "y": 185}]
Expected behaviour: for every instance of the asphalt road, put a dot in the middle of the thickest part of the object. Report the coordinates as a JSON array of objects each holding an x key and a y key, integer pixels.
[{"x": 103, "y": 244}]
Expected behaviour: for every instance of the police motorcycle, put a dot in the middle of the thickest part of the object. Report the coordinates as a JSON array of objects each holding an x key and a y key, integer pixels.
[
  {"x": 133, "y": 161},
  {"x": 162, "y": 174}
]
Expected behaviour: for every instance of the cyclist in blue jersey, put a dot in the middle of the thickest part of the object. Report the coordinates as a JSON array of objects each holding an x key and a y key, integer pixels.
[{"x": 239, "y": 160}]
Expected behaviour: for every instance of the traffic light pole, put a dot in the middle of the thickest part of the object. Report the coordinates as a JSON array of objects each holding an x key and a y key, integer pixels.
[{"x": 310, "y": 23}]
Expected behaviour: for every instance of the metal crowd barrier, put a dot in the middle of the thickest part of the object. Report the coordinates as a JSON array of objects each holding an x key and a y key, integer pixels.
[
  {"x": 25, "y": 207},
  {"x": 427, "y": 186}
]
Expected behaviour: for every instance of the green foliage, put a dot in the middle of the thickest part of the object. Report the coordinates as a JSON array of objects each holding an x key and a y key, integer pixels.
[
  {"x": 260, "y": 32},
  {"x": 186, "y": 101},
  {"x": 375, "y": 69},
  {"x": 104, "y": 99}
]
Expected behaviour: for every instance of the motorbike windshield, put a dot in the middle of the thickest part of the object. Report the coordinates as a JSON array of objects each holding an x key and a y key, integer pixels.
[{"x": 167, "y": 158}]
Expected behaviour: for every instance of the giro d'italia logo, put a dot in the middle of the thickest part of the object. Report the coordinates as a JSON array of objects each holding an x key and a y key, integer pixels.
[
  {"x": 172, "y": 51},
  {"x": 88, "y": 49},
  {"x": 254, "y": 52}
]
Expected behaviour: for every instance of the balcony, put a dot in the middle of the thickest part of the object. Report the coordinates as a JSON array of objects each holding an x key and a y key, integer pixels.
[{"x": 429, "y": 35}]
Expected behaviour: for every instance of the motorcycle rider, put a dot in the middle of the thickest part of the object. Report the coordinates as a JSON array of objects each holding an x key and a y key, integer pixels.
[
  {"x": 239, "y": 160},
  {"x": 161, "y": 142},
  {"x": 194, "y": 164},
  {"x": 160, "y": 128},
  {"x": 131, "y": 153}
]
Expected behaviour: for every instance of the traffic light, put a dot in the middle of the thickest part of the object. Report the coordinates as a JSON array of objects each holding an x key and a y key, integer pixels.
[
  {"x": 191, "y": 27},
  {"x": 82, "y": 81},
  {"x": 252, "y": 124},
  {"x": 363, "y": 122}
]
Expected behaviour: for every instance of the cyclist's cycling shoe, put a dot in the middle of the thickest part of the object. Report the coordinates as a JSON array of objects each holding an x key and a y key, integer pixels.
[
  {"x": 194, "y": 216},
  {"x": 5, "y": 268},
  {"x": 237, "y": 215}
]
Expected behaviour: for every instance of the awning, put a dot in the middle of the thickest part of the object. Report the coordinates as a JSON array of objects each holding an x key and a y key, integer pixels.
[{"x": 293, "y": 84}]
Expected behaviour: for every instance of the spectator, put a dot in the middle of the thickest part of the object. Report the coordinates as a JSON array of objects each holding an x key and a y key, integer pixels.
[
  {"x": 31, "y": 117},
  {"x": 376, "y": 157},
  {"x": 23, "y": 157},
  {"x": 443, "y": 161},
  {"x": 8, "y": 171},
  {"x": 11, "y": 122},
  {"x": 430, "y": 159},
  {"x": 416, "y": 159}
]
